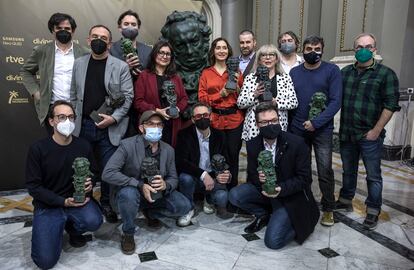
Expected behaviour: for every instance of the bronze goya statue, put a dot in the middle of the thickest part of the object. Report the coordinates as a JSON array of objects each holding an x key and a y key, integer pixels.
[
  {"x": 129, "y": 51},
  {"x": 232, "y": 64},
  {"x": 317, "y": 104},
  {"x": 81, "y": 173},
  {"x": 219, "y": 165},
  {"x": 150, "y": 168},
  {"x": 168, "y": 92},
  {"x": 114, "y": 101},
  {"x": 189, "y": 35},
  {"x": 262, "y": 77},
  {"x": 265, "y": 161}
]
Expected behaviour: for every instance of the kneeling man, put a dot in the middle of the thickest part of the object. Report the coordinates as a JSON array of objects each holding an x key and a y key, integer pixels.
[
  {"x": 133, "y": 190},
  {"x": 291, "y": 213},
  {"x": 49, "y": 181}
]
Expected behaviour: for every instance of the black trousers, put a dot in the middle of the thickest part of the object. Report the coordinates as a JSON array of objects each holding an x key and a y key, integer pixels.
[{"x": 233, "y": 143}]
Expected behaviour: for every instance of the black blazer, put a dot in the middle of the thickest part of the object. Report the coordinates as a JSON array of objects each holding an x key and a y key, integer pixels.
[
  {"x": 187, "y": 150},
  {"x": 249, "y": 66},
  {"x": 293, "y": 172}
]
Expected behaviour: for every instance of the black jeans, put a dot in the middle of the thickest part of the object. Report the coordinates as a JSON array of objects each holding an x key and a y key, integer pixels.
[
  {"x": 322, "y": 143},
  {"x": 233, "y": 143}
]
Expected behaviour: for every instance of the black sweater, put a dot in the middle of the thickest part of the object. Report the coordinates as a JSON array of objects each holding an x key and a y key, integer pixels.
[{"x": 49, "y": 170}]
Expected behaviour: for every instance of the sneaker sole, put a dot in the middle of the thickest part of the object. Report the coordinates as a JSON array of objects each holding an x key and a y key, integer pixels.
[{"x": 327, "y": 224}]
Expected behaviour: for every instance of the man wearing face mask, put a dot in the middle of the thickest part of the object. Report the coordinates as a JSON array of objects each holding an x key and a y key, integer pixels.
[
  {"x": 53, "y": 62},
  {"x": 292, "y": 212},
  {"x": 288, "y": 44},
  {"x": 131, "y": 193},
  {"x": 369, "y": 101},
  {"x": 325, "y": 78},
  {"x": 95, "y": 77},
  {"x": 195, "y": 146},
  {"x": 129, "y": 25},
  {"x": 49, "y": 181}
]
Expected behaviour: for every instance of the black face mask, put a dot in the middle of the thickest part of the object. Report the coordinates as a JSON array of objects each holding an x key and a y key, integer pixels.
[
  {"x": 63, "y": 36},
  {"x": 203, "y": 123},
  {"x": 98, "y": 46},
  {"x": 312, "y": 57},
  {"x": 271, "y": 131}
]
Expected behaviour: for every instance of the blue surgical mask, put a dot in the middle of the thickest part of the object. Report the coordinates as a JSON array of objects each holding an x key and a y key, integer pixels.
[{"x": 153, "y": 134}]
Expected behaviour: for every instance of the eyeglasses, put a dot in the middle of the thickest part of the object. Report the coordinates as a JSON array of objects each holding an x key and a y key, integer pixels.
[
  {"x": 268, "y": 122},
  {"x": 369, "y": 47},
  {"x": 269, "y": 55},
  {"x": 154, "y": 124},
  {"x": 63, "y": 117},
  {"x": 201, "y": 115},
  {"x": 164, "y": 54}
]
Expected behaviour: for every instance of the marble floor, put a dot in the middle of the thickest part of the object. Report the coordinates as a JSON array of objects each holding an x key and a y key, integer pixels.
[{"x": 211, "y": 243}]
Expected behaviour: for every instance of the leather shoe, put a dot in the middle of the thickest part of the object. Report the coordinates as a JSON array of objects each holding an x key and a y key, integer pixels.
[{"x": 257, "y": 224}]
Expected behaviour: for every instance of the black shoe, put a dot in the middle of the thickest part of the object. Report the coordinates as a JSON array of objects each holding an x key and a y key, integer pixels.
[
  {"x": 151, "y": 222},
  {"x": 77, "y": 241},
  {"x": 371, "y": 222},
  {"x": 222, "y": 213},
  {"x": 109, "y": 214},
  {"x": 128, "y": 244},
  {"x": 340, "y": 206},
  {"x": 257, "y": 224}
]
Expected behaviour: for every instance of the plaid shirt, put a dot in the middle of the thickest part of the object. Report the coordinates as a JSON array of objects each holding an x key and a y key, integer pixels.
[{"x": 365, "y": 95}]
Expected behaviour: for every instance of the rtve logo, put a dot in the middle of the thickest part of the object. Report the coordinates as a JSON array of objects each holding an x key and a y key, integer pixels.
[{"x": 15, "y": 59}]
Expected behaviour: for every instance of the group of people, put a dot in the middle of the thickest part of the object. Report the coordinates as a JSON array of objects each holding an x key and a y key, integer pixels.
[{"x": 112, "y": 109}]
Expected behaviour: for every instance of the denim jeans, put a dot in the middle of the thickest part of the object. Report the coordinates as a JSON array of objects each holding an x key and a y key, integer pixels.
[
  {"x": 48, "y": 226},
  {"x": 279, "y": 231},
  {"x": 371, "y": 152},
  {"x": 99, "y": 139},
  {"x": 322, "y": 144},
  {"x": 129, "y": 201},
  {"x": 189, "y": 184}
]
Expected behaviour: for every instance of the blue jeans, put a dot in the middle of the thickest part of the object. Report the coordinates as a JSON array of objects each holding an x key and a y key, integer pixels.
[
  {"x": 322, "y": 144},
  {"x": 371, "y": 152},
  {"x": 279, "y": 231},
  {"x": 48, "y": 226},
  {"x": 189, "y": 184},
  {"x": 129, "y": 201},
  {"x": 99, "y": 139}
]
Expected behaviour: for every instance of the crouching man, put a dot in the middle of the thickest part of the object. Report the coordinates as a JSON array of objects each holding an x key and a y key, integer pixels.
[
  {"x": 129, "y": 171},
  {"x": 291, "y": 213}
]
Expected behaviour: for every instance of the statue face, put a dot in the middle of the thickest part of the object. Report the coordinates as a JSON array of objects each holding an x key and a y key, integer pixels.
[
  {"x": 233, "y": 63},
  {"x": 187, "y": 42},
  {"x": 262, "y": 72}
]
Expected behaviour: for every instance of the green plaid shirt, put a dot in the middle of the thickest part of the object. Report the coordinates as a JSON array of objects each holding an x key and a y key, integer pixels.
[{"x": 365, "y": 95}]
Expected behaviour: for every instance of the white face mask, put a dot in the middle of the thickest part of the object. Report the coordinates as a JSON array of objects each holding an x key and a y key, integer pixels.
[{"x": 65, "y": 128}]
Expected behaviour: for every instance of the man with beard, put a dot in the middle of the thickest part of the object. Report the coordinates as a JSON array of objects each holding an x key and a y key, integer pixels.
[
  {"x": 53, "y": 62},
  {"x": 248, "y": 51}
]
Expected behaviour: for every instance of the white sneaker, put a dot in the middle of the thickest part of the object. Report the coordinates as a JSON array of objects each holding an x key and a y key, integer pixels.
[
  {"x": 208, "y": 208},
  {"x": 186, "y": 219}
]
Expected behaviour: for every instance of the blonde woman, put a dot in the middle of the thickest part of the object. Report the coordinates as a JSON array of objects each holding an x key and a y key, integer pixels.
[{"x": 284, "y": 96}]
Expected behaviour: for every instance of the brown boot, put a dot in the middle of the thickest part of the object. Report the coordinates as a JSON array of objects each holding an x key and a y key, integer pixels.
[
  {"x": 222, "y": 213},
  {"x": 128, "y": 244}
]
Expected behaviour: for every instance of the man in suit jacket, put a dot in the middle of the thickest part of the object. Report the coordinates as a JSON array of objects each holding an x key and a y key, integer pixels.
[
  {"x": 131, "y": 192},
  {"x": 247, "y": 49},
  {"x": 291, "y": 213},
  {"x": 53, "y": 62},
  {"x": 195, "y": 147},
  {"x": 95, "y": 77}
]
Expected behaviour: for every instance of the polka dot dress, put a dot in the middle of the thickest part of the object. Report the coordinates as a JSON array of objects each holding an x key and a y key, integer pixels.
[{"x": 285, "y": 99}]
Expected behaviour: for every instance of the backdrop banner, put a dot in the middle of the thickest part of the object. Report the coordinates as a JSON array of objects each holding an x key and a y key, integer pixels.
[{"x": 23, "y": 25}]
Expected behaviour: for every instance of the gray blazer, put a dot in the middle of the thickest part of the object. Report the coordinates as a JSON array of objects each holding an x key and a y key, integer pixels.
[
  {"x": 124, "y": 167},
  {"x": 143, "y": 52},
  {"x": 117, "y": 78}
]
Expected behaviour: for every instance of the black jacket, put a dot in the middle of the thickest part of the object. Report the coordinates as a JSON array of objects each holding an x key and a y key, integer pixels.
[
  {"x": 187, "y": 150},
  {"x": 293, "y": 171}
]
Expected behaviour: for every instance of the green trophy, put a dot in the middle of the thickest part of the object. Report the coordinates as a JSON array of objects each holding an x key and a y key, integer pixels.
[
  {"x": 265, "y": 160},
  {"x": 82, "y": 172},
  {"x": 317, "y": 104},
  {"x": 129, "y": 51}
]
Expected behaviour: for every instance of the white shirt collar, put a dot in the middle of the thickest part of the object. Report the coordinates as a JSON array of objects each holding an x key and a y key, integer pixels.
[
  {"x": 201, "y": 136},
  {"x": 59, "y": 49}
]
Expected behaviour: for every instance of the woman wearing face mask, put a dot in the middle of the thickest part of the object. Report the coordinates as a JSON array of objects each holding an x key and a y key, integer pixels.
[
  {"x": 225, "y": 116},
  {"x": 283, "y": 93},
  {"x": 149, "y": 92},
  {"x": 288, "y": 44}
]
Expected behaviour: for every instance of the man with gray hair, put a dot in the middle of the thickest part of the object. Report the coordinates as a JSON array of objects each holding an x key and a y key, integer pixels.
[{"x": 370, "y": 97}]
